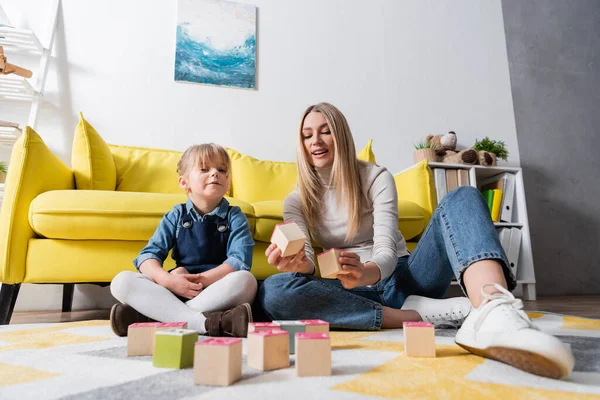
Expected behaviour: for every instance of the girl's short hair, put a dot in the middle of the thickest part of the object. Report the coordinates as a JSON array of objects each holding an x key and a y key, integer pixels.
[{"x": 199, "y": 155}]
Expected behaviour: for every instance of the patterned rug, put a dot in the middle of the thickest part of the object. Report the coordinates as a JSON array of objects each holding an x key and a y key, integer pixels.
[{"x": 84, "y": 360}]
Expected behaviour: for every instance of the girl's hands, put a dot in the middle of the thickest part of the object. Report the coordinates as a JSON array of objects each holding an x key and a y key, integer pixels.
[
  {"x": 184, "y": 284},
  {"x": 297, "y": 263},
  {"x": 354, "y": 270}
]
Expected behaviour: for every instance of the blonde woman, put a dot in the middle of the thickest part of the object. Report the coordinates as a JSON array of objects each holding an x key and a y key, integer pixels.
[
  {"x": 211, "y": 288},
  {"x": 344, "y": 203}
]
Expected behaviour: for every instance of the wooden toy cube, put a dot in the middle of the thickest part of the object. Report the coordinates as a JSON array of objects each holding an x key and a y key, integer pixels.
[
  {"x": 315, "y": 325},
  {"x": 262, "y": 326},
  {"x": 313, "y": 354},
  {"x": 292, "y": 327},
  {"x": 140, "y": 338},
  {"x": 329, "y": 264},
  {"x": 218, "y": 361},
  {"x": 419, "y": 339},
  {"x": 289, "y": 238},
  {"x": 174, "y": 348},
  {"x": 172, "y": 325},
  {"x": 268, "y": 350}
]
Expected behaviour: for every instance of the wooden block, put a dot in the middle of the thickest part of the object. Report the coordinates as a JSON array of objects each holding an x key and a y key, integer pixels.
[
  {"x": 313, "y": 354},
  {"x": 289, "y": 238},
  {"x": 419, "y": 339},
  {"x": 329, "y": 264},
  {"x": 218, "y": 361},
  {"x": 262, "y": 326},
  {"x": 174, "y": 348},
  {"x": 315, "y": 325},
  {"x": 172, "y": 325},
  {"x": 292, "y": 327},
  {"x": 140, "y": 338},
  {"x": 269, "y": 350}
]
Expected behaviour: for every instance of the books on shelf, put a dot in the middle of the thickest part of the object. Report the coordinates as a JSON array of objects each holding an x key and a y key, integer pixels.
[
  {"x": 496, "y": 203},
  {"x": 451, "y": 180},
  {"x": 506, "y": 183},
  {"x": 488, "y": 195},
  {"x": 510, "y": 239},
  {"x": 463, "y": 177},
  {"x": 439, "y": 176},
  {"x": 448, "y": 179}
]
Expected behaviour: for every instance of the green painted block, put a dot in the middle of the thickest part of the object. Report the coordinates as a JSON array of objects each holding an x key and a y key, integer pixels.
[
  {"x": 174, "y": 348},
  {"x": 292, "y": 327}
]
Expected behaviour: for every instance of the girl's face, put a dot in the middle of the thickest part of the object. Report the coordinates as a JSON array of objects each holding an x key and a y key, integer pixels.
[
  {"x": 206, "y": 182},
  {"x": 318, "y": 140}
]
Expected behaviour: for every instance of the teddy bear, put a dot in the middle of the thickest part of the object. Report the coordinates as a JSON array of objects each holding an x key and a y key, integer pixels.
[
  {"x": 442, "y": 143},
  {"x": 445, "y": 149}
]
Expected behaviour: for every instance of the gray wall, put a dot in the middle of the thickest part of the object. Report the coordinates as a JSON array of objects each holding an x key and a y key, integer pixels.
[{"x": 554, "y": 62}]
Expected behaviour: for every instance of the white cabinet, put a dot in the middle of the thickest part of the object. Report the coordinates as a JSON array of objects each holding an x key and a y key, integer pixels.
[{"x": 525, "y": 270}]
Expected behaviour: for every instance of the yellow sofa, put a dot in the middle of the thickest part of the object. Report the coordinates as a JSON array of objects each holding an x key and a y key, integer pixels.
[{"x": 87, "y": 223}]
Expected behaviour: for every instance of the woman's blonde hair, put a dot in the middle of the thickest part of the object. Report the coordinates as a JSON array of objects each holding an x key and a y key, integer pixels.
[
  {"x": 345, "y": 175},
  {"x": 199, "y": 155}
]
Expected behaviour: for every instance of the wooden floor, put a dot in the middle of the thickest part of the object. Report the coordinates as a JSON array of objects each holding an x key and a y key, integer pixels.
[{"x": 581, "y": 306}]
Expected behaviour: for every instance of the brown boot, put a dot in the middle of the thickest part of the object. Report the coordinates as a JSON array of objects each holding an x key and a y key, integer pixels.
[
  {"x": 122, "y": 315},
  {"x": 233, "y": 322}
]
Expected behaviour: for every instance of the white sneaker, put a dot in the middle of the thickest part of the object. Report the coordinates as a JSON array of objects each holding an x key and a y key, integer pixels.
[
  {"x": 499, "y": 329},
  {"x": 441, "y": 313}
]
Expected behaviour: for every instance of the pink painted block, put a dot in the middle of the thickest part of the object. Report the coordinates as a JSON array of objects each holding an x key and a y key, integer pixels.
[
  {"x": 145, "y": 325},
  {"x": 311, "y": 335},
  {"x": 219, "y": 342},
  {"x": 180, "y": 325},
  {"x": 263, "y": 325},
  {"x": 313, "y": 322},
  {"x": 418, "y": 324},
  {"x": 274, "y": 332}
]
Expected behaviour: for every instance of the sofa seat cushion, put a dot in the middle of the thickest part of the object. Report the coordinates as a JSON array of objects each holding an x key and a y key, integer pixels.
[
  {"x": 106, "y": 215},
  {"x": 268, "y": 214},
  {"x": 412, "y": 219}
]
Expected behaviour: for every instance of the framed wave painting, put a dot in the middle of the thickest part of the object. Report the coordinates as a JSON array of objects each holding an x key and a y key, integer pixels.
[{"x": 216, "y": 43}]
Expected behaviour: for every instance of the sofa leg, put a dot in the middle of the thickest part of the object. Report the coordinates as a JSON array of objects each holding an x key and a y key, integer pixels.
[
  {"x": 8, "y": 299},
  {"x": 67, "y": 301}
]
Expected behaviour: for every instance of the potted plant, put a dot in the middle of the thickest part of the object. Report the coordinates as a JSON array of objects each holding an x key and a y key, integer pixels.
[
  {"x": 3, "y": 170},
  {"x": 488, "y": 148},
  {"x": 424, "y": 151}
]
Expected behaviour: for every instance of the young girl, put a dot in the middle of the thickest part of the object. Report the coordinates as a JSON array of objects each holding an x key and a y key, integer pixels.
[
  {"x": 342, "y": 202},
  {"x": 212, "y": 286}
]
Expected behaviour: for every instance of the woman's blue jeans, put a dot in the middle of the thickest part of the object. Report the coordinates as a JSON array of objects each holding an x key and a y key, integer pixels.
[{"x": 460, "y": 233}]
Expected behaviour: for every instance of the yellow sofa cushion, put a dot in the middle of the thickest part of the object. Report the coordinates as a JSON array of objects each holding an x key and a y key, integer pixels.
[
  {"x": 141, "y": 169},
  {"x": 256, "y": 180},
  {"x": 411, "y": 219},
  {"x": 416, "y": 184},
  {"x": 104, "y": 215},
  {"x": 366, "y": 154},
  {"x": 268, "y": 214},
  {"x": 91, "y": 159}
]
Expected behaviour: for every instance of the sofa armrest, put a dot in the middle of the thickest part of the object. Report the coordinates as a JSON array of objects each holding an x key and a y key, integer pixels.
[
  {"x": 33, "y": 170},
  {"x": 416, "y": 184}
]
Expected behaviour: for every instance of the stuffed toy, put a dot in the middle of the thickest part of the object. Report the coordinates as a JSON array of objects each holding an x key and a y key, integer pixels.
[
  {"x": 466, "y": 156},
  {"x": 486, "y": 159},
  {"x": 442, "y": 143}
]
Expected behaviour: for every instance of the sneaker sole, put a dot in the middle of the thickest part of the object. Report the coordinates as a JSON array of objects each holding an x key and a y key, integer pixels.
[{"x": 521, "y": 359}]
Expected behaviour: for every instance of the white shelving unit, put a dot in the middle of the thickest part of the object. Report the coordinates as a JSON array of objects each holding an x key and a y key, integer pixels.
[
  {"x": 525, "y": 270},
  {"x": 25, "y": 42}
]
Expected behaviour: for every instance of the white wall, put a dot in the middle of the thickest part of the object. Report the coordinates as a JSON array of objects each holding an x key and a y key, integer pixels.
[{"x": 399, "y": 70}]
